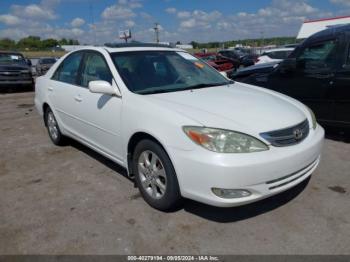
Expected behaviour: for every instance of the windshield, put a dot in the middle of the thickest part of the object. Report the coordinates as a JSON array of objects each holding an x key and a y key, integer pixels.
[
  {"x": 48, "y": 61},
  {"x": 150, "y": 72},
  {"x": 8, "y": 58}
]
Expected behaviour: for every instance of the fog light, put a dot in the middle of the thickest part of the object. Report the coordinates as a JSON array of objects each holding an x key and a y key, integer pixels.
[{"x": 231, "y": 193}]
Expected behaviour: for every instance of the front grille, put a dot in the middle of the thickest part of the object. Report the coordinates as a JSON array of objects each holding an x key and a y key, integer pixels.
[
  {"x": 288, "y": 136},
  {"x": 14, "y": 75}
]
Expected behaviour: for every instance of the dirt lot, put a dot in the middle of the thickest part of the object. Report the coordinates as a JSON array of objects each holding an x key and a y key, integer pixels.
[{"x": 70, "y": 200}]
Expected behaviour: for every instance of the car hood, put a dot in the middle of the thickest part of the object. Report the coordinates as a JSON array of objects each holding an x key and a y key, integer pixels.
[
  {"x": 234, "y": 107},
  {"x": 13, "y": 67}
]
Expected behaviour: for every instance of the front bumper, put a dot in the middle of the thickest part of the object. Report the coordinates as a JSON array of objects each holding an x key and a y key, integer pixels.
[{"x": 263, "y": 174}]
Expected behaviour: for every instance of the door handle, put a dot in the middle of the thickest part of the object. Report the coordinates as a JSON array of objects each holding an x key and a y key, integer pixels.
[
  {"x": 78, "y": 98},
  {"x": 50, "y": 89}
]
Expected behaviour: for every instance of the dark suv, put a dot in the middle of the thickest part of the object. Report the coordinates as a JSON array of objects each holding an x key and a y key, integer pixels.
[
  {"x": 44, "y": 65},
  {"x": 316, "y": 73},
  {"x": 15, "y": 71}
]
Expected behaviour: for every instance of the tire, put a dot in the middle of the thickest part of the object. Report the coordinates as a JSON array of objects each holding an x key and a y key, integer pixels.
[
  {"x": 53, "y": 129},
  {"x": 155, "y": 176}
]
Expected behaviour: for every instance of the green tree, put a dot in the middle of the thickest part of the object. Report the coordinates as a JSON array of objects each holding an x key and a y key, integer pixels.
[
  {"x": 49, "y": 43},
  {"x": 63, "y": 41},
  {"x": 7, "y": 43},
  {"x": 194, "y": 44},
  {"x": 31, "y": 42}
]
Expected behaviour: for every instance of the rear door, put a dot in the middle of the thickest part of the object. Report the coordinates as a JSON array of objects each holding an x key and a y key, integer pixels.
[
  {"x": 62, "y": 90},
  {"x": 342, "y": 85}
]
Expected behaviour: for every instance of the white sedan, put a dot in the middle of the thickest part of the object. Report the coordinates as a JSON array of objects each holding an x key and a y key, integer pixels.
[
  {"x": 274, "y": 55},
  {"x": 180, "y": 128}
]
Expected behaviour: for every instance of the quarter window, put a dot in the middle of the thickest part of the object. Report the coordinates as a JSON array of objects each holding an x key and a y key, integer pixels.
[
  {"x": 95, "y": 68},
  {"x": 68, "y": 71}
]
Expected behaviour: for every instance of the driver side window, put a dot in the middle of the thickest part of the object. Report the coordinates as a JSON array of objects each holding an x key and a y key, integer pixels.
[
  {"x": 317, "y": 56},
  {"x": 95, "y": 68}
]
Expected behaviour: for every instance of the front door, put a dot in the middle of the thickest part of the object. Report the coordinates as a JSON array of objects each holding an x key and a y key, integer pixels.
[{"x": 100, "y": 114}]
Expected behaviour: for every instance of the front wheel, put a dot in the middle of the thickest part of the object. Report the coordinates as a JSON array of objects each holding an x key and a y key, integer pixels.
[{"x": 155, "y": 176}]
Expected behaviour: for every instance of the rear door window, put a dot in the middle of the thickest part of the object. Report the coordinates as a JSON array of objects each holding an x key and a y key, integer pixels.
[{"x": 69, "y": 69}]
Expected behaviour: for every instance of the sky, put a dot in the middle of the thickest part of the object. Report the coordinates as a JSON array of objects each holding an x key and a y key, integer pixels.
[{"x": 99, "y": 21}]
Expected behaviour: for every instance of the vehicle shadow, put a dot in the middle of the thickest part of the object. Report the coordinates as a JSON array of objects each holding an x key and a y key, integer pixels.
[
  {"x": 100, "y": 158},
  {"x": 234, "y": 214}
]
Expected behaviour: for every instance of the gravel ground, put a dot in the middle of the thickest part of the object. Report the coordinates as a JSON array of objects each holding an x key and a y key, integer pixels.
[{"x": 70, "y": 200}]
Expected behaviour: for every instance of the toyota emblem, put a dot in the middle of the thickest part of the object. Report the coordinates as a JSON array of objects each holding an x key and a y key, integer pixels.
[{"x": 298, "y": 134}]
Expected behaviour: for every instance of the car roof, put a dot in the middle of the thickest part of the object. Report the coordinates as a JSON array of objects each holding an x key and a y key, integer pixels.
[
  {"x": 279, "y": 49},
  {"x": 130, "y": 48},
  {"x": 334, "y": 30},
  {"x": 41, "y": 58}
]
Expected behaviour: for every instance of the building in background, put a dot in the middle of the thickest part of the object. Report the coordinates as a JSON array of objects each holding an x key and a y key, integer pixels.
[
  {"x": 69, "y": 48},
  {"x": 311, "y": 27}
]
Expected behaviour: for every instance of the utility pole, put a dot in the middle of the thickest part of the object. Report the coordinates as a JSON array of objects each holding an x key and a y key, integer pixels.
[
  {"x": 262, "y": 38},
  {"x": 156, "y": 31},
  {"x": 93, "y": 26}
]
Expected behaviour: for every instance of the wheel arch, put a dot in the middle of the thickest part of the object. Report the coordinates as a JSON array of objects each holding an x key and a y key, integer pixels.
[
  {"x": 45, "y": 107},
  {"x": 132, "y": 143}
]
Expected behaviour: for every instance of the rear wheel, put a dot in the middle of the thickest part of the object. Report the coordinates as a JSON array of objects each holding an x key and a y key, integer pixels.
[
  {"x": 53, "y": 129},
  {"x": 155, "y": 176}
]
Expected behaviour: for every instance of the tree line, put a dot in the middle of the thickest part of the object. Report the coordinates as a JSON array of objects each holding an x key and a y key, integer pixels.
[
  {"x": 34, "y": 43},
  {"x": 278, "y": 41}
]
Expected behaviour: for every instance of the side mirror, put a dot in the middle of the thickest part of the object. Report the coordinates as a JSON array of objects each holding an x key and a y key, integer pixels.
[
  {"x": 29, "y": 62},
  {"x": 288, "y": 65},
  {"x": 102, "y": 87}
]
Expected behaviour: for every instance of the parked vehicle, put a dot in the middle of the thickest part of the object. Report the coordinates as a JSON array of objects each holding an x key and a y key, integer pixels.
[
  {"x": 15, "y": 70},
  {"x": 274, "y": 55},
  {"x": 220, "y": 63},
  {"x": 245, "y": 59},
  {"x": 295, "y": 45},
  {"x": 178, "y": 126},
  {"x": 247, "y": 72},
  {"x": 44, "y": 64},
  {"x": 316, "y": 73}
]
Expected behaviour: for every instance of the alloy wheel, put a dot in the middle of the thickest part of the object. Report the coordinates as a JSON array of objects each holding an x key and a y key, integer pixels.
[{"x": 152, "y": 174}]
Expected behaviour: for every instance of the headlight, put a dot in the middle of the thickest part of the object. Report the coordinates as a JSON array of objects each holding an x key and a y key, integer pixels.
[
  {"x": 224, "y": 141},
  {"x": 313, "y": 117}
]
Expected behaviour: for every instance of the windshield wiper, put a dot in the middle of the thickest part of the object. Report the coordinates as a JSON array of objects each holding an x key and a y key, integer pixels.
[
  {"x": 198, "y": 86},
  {"x": 203, "y": 85},
  {"x": 151, "y": 92}
]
